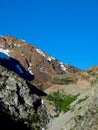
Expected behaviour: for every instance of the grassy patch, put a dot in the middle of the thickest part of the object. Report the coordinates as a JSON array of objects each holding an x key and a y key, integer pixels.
[
  {"x": 61, "y": 80},
  {"x": 80, "y": 117},
  {"x": 94, "y": 110},
  {"x": 95, "y": 81},
  {"x": 33, "y": 118},
  {"x": 61, "y": 101},
  {"x": 81, "y": 100},
  {"x": 37, "y": 121}
]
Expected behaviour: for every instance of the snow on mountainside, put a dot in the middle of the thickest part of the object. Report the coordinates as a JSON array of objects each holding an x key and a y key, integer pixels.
[
  {"x": 4, "y": 51},
  {"x": 38, "y": 63}
]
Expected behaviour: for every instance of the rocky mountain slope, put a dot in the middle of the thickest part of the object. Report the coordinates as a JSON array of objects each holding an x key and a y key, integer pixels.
[
  {"x": 68, "y": 102},
  {"x": 31, "y": 61},
  {"x": 71, "y": 103},
  {"x": 20, "y": 103},
  {"x": 76, "y": 100}
]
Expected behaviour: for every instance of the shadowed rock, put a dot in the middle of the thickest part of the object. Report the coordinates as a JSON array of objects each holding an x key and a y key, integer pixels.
[
  {"x": 35, "y": 90},
  {"x": 15, "y": 66},
  {"x": 7, "y": 123}
]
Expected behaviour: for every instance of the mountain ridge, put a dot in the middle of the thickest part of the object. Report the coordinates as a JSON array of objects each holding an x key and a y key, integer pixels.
[{"x": 33, "y": 59}]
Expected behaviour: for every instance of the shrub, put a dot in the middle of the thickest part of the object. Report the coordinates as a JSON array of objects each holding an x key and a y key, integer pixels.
[
  {"x": 80, "y": 117},
  {"x": 83, "y": 99},
  {"x": 61, "y": 101}
]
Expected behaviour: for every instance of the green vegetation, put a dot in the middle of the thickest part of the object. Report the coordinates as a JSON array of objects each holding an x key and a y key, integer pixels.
[
  {"x": 61, "y": 80},
  {"x": 94, "y": 110},
  {"x": 81, "y": 100},
  {"x": 37, "y": 121},
  {"x": 61, "y": 101},
  {"x": 79, "y": 108},
  {"x": 56, "y": 115},
  {"x": 80, "y": 117},
  {"x": 33, "y": 118},
  {"x": 95, "y": 81}
]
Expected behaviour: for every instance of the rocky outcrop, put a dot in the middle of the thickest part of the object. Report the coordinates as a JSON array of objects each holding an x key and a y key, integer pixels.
[{"x": 19, "y": 101}]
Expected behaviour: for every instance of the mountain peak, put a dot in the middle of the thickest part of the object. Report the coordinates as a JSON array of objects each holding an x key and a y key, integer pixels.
[{"x": 33, "y": 59}]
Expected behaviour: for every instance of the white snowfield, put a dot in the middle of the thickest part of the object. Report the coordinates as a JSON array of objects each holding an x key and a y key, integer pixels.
[
  {"x": 40, "y": 52},
  {"x": 5, "y": 51},
  {"x": 62, "y": 66},
  {"x": 50, "y": 58},
  {"x": 29, "y": 69}
]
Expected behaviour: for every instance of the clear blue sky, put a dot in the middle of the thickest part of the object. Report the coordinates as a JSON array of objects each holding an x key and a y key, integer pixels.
[{"x": 66, "y": 29}]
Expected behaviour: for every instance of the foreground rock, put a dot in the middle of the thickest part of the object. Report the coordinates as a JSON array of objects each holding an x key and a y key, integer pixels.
[{"x": 20, "y": 103}]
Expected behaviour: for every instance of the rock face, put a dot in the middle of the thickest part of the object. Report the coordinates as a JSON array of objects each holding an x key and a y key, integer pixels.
[
  {"x": 18, "y": 101},
  {"x": 32, "y": 59}
]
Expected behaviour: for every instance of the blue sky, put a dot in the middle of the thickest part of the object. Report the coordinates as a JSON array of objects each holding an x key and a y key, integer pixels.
[{"x": 66, "y": 29}]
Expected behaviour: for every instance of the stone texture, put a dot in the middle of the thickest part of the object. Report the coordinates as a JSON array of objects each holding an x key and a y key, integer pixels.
[{"x": 17, "y": 100}]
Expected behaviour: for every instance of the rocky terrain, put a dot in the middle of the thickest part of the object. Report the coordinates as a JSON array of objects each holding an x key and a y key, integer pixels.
[
  {"x": 38, "y": 92},
  {"x": 20, "y": 103},
  {"x": 82, "y": 113},
  {"x": 32, "y": 59}
]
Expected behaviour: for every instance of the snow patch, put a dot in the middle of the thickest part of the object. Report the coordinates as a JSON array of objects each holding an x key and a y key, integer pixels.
[
  {"x": 50, "y": 58},
  {"x": 29, "y": 69},
  {"x": 42, "y": 101},
  {"x": 40, "y": 52},
  {"x": 31, "y": 72},
  {"x": 62, "y": 66},
  {"x": 5, "y": 51},
  {"x": 30, "y": 64}
]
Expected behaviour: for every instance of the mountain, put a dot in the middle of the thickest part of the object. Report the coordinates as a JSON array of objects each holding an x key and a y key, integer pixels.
[
  {"x": 70, "y": 103},
  {"x": 69, "y": 100},
  {"x": 30, "y": 62}
]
